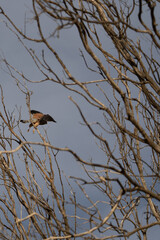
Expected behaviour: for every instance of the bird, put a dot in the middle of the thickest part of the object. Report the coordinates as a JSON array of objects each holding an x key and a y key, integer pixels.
[{"x": 38, "y": 118}]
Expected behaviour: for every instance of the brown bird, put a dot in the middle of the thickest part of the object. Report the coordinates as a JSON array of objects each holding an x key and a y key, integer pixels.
[{"x": 37, "y": 119}]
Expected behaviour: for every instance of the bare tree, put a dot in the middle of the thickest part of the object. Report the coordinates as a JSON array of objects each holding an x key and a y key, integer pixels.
[{"x": 122, "y": 39}]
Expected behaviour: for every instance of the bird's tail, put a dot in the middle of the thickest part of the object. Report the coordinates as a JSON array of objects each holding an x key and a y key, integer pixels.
[{"x": 24, "y": 121}]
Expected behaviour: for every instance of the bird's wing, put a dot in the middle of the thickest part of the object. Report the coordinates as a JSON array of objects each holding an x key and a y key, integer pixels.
[
  {"x": 47, "y": 117},
  {"x": 34, "y": 111}
]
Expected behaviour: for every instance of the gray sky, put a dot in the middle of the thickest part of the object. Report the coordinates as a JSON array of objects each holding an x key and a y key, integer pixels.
[{"x": 48, "y": 97}]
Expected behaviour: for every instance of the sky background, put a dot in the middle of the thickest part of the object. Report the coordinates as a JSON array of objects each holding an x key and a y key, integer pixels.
[{"x": 48, "y": 97}]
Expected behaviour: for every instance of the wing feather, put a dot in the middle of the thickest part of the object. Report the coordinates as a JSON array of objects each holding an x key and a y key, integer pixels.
[
  {"x": 35, "y": 111},
  {"x": 47, "y": 118}
]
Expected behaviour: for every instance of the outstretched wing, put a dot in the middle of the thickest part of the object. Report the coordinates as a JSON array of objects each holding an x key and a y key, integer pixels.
[{"x": 47, "y": 118}]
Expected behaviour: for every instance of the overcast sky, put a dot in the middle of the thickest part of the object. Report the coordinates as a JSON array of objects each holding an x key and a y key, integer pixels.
[{"x": 48, "y": 97}]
